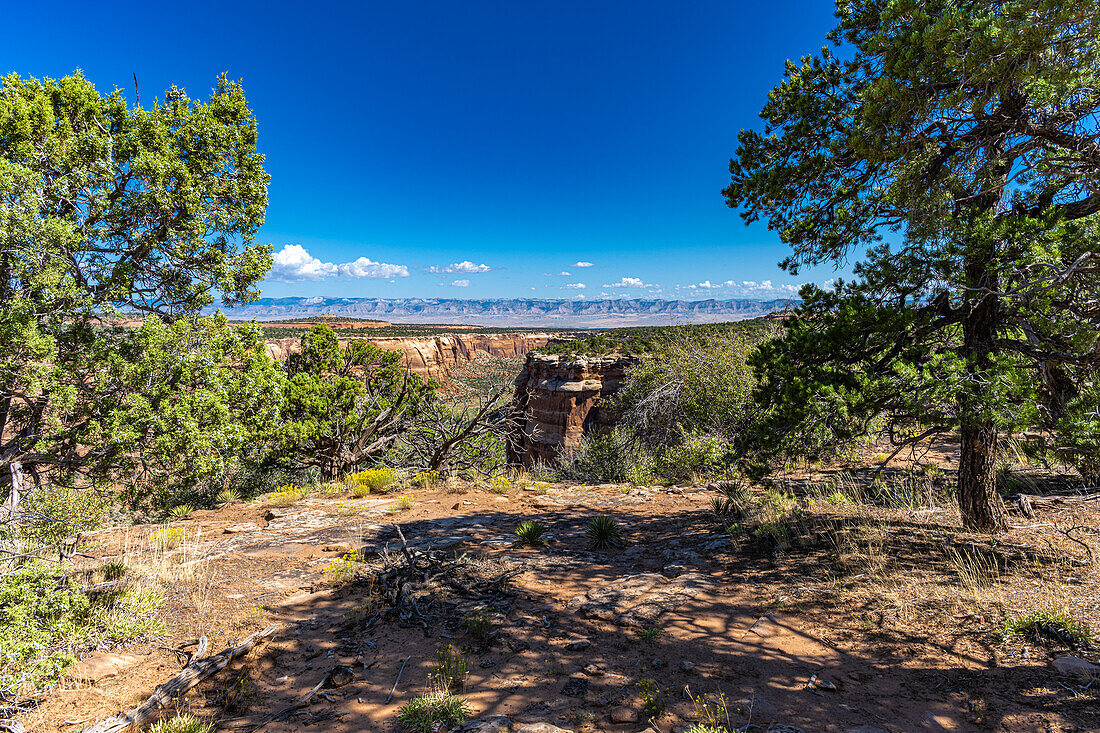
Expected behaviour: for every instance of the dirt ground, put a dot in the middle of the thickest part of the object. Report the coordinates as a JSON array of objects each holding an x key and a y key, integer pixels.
[{"x": 860, "y": 616}]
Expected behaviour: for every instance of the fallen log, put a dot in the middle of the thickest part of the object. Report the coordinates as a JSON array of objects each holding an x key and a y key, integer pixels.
[{"x": 191, "y": 675}]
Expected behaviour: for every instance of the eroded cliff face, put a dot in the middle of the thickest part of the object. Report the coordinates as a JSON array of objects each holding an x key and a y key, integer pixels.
[
  {"x": 558, "y": 400},
  {"x": 434, "y": 357}
]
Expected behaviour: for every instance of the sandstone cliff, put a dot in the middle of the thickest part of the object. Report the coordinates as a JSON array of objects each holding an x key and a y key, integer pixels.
[
  {"x": 558, "y": 401},
  {"x": 434, "y": 357}
]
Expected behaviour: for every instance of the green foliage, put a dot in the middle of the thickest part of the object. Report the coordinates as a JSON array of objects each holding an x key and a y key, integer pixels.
[
  {"x": 53, "y": 512},
  {"x": 105, "y": 208},
  {"x": 287, "y": 495},
  {"x": 649, "y": 340},
  {"x": 428, "y": 713},
  {"x": 530, "y": 532},
  {"x": 181, "y": 511},
  {"x": 603, "y": 533},
  {"x": 649, "y": 635},
  {"x": 653, "y": 700},
  {"x": 44, "y": 621},
  {"x": 450, "y": 669},
  {"x": 181, "y": 723},
  {"x": 168, "y": 538},
  {"x": 696, "y": 454},
  {"x": 426, "y": 479},
  {"x": 972, "y": 318},
  {"x": 228, "y": 496},
  {"x": 402, "y": 503},
  {"x": 1049, "y": 626},
  {"x": 604, "y": 457},
  {"x": 344, "y": 405},
  {"x": 479, "y": 624},
  {"x": 499, "y": 485}
]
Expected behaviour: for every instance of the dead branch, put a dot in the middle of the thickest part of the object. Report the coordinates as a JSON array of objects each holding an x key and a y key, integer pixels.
[{"x": 191, "y": 675}]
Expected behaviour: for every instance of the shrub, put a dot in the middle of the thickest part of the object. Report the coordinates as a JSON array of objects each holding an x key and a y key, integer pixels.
[
  {"x": 228, "y": 496},
  {"x": 604, "y": 457},
  {"x": 426, "y": 479},
  {"x": 1045, "y": 626},
  {"x": 287, "y": 495},
  {"x": 428, "y": 713},
  {"x": 479, "y": 624},
  {"x": 450, "y": 669},
  {"x": 373, "y": 479},
  {"x": 530, "y": 532},
  {"x": 45, "y": 620},
  {"x": 603, "y": 533},
  {"x": 343, "y": 569},
  {"x": 401, "y": 504},
  {"x": 182, "y": 723},
  {"x": 695, "y": 454},
  {"x": 181, "y": 511},
  {"x": 51, "y": 513},
  {"x": 653, "y": 699},
  {"x": 168, "y": 538},
  {"x": 499, "y": 485},
  {"x": 649, "y": 635}
]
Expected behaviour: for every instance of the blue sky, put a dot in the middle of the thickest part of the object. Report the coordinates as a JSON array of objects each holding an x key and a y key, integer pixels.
[{"x": 473, "y": 149}]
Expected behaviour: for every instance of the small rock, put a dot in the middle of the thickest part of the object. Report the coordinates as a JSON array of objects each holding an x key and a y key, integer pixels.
[
  {"x": 575, "y": 687},
  {"x": 593, "y": 671},
  {"x": 100, "y": 665},
  {"x": 1077, "y": 667},
  {"x": 658, "y": 663},
  {"x": 575, "y": 645},
  {"x": 487, "y": 663},
  {"x": 240, "y": 528},
  {"x": 492, "y": 724},
  {"x": 601, "y": 701},
  {"x": 674, "y": 571},
  {"x": 623, "y": 714},
  {"x": 518, "y": 645},
  {"x": 540, "y": 728},
  {"x": 686, "y": 666}
]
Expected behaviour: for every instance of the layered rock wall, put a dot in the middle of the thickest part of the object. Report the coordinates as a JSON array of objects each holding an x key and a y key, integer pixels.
[
  {"x": 435, "y": 357},
  {"x": 558, "y": 400}
]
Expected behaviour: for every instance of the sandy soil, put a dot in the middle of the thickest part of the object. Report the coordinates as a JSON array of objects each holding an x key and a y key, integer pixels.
[{"x": 860, "y": 620}]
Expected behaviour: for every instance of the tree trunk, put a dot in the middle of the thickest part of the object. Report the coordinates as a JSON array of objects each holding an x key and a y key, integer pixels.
[{"x": 979, "y": 503}]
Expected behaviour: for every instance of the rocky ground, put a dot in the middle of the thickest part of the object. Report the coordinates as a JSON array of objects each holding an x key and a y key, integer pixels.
[{"x": 832, "y": 630}]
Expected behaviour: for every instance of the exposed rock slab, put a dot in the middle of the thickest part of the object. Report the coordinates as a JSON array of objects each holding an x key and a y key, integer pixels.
[{"x": 642, "y": 599}]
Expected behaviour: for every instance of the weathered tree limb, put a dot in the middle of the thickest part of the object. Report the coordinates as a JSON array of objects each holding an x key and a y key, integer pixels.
[{"x": 189, "y": 676}]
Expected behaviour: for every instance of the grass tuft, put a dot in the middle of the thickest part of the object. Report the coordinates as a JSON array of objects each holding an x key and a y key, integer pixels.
[
  {"x": 432, "y": 712},
  {"x": 530, "y": 533},
  {"x": 1050, "y": 626},
  {"x": 603, "y": 533}
]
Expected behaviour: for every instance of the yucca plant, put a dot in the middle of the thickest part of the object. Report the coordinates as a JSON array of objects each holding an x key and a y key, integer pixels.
[
  {"x": 227, "y": 496},
  {"x": 181, "y": 511},
  {"x": 530, "y": 532},
  {"x": 603, "y": 533}
]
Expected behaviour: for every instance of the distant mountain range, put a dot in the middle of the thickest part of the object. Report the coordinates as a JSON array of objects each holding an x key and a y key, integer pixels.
[{"x": 513, "y": 311}]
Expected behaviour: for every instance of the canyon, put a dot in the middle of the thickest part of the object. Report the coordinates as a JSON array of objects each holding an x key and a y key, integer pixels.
[{"x": 435, "y": 357}]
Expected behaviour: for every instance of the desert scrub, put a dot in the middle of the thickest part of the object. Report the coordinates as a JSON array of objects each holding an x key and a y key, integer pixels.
[
  {"x": 1047, "y": 626},
  {"x": 451, "y": 667},
  {"x": 428, "y": 713},
  {"x": 426, "y": 479},
  {"x": 530, "y": 533},
  {"x": 45, "y": 622},
  {"x": 653, "y": 699},
  {"x": 402, "y": 503},
  {"x": 343, "y": 569},
  {"x": 372, "y": 480},
  {"x": 168, "y": 538},
  {"x": 649, "y": 635},
  {"x": 52, "y": 513},
  {"x": 182, "y": 723},
  {"x": 287, "y": 495},
  {"x": 499, "y": 485},
  {"x": 479, "y": 624},
  {"x": 603, "y": 533}
]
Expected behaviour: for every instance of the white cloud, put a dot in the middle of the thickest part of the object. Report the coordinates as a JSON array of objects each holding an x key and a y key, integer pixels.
[
  {"x": 465, "y": 267},
  {"x": 563, "y": 273},
  {"x": 460, "y": 284},
  {"x": 583, "y": 264},
  {"x": 630, "y": 282},
  {"x": 747, "y": 288},
  {"x": 364, "y": 267},
  {"x": 294, "y": 263},
  {"x": 575, "y": 286}
]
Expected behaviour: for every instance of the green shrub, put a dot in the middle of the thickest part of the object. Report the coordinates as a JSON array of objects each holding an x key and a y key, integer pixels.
[
  {"x": 426, "y": 479},
  {"x": 287, "y": 495},
  {"x": 228, "y": 496},
  {"x": 479, "y": 624},
  {"x": 1050, "y": 626},
  {"x": 45, "y": 621},
  {"x": 428, "y": 713},
  {"x": 499, "y": 485},
  {"x": 182, "y": 723},
  {"x": 51, "y": 513},
  {"x": 604, "y": 457},
  {"x": 168, "y": 538},
  {"x": 603, "y": 533},
  {"x": 181, "y": 511},
  {"x": 695, "y": 454},
  {"x": 530, "y": 532},
  {"x": 401, "y": 504},
  {"x": 450, "y": 668},
  {"x": 653, "y": 699}
]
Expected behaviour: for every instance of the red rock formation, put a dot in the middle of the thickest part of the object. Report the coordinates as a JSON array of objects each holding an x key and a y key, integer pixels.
[
  {"x": 434, "y": 357},
  {"x": 558, "y": 401}
]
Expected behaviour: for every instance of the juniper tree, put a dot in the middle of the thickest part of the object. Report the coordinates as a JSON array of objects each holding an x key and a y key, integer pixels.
[
  {"x": 953, "y": 146},
  {"x": 107, "y": 209}
]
